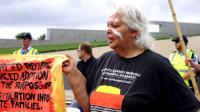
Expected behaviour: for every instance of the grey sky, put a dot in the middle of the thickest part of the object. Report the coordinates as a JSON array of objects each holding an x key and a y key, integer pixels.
[{"x": 37, "y": 15}]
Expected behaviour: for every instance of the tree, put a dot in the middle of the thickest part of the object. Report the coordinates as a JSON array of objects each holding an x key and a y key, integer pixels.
[
  {"x": 20, "y": 35},
  {"x": 42, "y": 37}
]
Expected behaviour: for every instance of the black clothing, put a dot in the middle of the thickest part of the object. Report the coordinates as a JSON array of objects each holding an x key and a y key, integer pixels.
[
  {"x": 84, "y": 67},
  {"x": 145, "y": 83}
]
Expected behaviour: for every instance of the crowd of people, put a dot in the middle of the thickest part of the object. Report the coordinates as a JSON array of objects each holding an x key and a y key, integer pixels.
[{"x": 131, "y": 77}]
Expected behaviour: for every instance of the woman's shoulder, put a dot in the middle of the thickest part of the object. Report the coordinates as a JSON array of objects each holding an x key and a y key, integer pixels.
[{"x": 156, "y": 57}]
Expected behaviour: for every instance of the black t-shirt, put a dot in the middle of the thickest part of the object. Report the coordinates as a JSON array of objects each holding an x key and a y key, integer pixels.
[
  {"x": 85, "y": 67},
  {"x": 145, "y": 83}
]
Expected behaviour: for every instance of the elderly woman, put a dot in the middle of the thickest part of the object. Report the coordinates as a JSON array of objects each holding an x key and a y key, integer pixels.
[{"x": 131, "y": 78}]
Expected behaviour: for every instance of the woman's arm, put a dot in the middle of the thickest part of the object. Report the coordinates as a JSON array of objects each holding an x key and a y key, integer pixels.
[{"x": 77, "y": 83}]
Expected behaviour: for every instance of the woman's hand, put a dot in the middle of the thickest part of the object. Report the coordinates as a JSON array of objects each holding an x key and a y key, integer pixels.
[{"x": 69, "y": 66}]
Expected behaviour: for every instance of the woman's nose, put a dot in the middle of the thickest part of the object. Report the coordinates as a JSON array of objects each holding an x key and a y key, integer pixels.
[{"x": 109, "y": 29}]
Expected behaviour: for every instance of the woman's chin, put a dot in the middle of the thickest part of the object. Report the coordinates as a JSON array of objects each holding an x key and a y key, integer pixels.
[{"x": 112, "y": 46}]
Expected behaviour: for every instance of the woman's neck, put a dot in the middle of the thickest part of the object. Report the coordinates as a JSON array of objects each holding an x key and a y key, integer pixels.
[{"x": 130, "y": 52}]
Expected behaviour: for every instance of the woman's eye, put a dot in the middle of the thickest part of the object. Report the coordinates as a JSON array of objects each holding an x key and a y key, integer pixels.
[{"x": 114, "y": 25}]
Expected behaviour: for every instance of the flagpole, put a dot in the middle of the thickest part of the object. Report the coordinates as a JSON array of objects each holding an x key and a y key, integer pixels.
[{"x": 178, "y": 31}]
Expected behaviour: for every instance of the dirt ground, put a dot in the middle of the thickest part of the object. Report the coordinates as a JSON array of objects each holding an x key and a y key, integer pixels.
[{"x": 163, "y": 47}]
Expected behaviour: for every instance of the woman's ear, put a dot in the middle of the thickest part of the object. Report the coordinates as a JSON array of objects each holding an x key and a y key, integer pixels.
[{"x": 134, "y": 34}]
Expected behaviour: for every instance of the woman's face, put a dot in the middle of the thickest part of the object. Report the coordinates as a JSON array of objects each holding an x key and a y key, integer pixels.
[{"x": 118, "y": 34}]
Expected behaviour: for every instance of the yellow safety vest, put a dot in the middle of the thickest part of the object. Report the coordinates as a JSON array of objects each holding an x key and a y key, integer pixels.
[
  {"x": 32, "y": 51},
  {"x": 178, "y": 63}
]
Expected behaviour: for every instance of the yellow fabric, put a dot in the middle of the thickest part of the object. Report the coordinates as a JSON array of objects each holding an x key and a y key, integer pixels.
[
  {"x": 108, "y": 89},
  {"x": 10, "y": 63},
  {"x": 33, "y": 51},
  {"x": 178, "y": 63}
]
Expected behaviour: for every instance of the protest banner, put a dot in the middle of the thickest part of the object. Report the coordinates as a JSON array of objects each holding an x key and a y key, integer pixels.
[{"x": 32, "y": 83}]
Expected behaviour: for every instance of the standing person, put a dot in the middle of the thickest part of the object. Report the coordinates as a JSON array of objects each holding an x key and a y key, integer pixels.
[
  {"x": 87, "y": 59},
  {"x": 86, "y": 62},
  {"x": 131, "y": 78},
  {"x": 178, "y": 60},
  {"x": 26, "y": 48}
]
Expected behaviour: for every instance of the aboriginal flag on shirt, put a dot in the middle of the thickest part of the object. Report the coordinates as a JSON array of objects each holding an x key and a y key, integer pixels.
[{"x": 106, "y": 98}]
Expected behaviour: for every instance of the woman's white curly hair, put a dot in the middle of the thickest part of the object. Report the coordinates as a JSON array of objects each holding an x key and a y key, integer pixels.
[{"x": 136, "y": 21}]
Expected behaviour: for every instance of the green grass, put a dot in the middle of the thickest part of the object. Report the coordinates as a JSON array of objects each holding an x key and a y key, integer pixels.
[
  {"x": 163, "y": 37},
  {"x": 8, "y": 50},
  {"x": 70, "y": 46},
  {"x": 54, "y": 47}
]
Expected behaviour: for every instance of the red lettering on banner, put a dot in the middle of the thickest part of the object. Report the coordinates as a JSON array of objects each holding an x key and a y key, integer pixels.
[{"x": 26, "y": 86}]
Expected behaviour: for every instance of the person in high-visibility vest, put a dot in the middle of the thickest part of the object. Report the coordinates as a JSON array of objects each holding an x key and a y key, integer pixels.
[
  {"x": 178, "y": 60},
  {"x": 26, "y": 49}
]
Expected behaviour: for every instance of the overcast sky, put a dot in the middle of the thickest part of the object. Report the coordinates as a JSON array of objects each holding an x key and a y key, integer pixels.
[{"x": 36, "y": 16}]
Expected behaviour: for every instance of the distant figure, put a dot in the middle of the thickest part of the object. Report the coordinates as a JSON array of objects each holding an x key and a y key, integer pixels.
[
  {"x": 84, "y": 65},
  {"x": 26, "y": 48},
  {"x": 177, "y": 59},
  {"x": 87, "y": 59}
]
